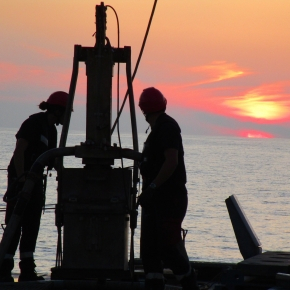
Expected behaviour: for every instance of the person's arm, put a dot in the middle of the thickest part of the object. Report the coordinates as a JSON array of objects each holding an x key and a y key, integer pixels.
[
  {"x": 168, "y": 167},
  {"x": 18, "y": 157}
]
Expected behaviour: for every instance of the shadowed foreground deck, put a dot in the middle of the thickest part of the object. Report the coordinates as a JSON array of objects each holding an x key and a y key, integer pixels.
[{"x": 256, "y": 273}]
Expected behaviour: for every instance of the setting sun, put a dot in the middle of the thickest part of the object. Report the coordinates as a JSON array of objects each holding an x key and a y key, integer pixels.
[
  {"x": 259, "y": 107},
  {"x": 224, "y": 64},
  {"x": 254, "y": 134}
]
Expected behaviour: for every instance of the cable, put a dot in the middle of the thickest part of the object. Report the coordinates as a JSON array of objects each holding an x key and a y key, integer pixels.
[
  {"x": 118, "y": 107},
  {"x": 118, "y": 96},
  {"x": 137, "y": 64},
  {"x": 118, "y": 82},
  {"x": 118, "y": 102},
  {"x": 133, "y": 212}
]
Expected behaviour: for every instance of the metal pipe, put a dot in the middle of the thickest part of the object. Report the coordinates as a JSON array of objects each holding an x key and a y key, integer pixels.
[
  {"x": 107, "y": 153},
  {"x": 34, "y": 175}
]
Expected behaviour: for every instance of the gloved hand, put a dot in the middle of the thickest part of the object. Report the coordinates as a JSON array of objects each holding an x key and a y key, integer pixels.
[
  {"x": 146, "y": 197},
  {"x": 13, "y": 190}
]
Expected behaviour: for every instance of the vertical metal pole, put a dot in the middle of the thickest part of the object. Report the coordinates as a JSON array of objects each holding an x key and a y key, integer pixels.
[
  {"x": 133, "y": 119},
  {"x": 62, "y": 143},
  {"x": 99, "y": 70},
  {"x": 72, "y": 90},
  {"x": 101, "y": 20},
  {"x": 132, "y": 112},
  {"x": 127, "y": 52}
]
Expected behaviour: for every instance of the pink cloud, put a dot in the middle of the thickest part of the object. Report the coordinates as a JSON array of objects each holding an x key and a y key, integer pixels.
[
  {"x": 24, "y": 77},
  {"x": 7, "y": 72},
  {"x": 12, "y": 74},
  {"x": 268, "y": 103}
]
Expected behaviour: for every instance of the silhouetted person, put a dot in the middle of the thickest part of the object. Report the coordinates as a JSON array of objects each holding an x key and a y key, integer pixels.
[
  {"x": 164, "y": 196},
  {"x": 36, "y": 135}
]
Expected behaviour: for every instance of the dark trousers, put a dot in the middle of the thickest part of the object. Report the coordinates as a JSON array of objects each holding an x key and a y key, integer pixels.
[
  {"x": 161, "y": 242},
  {"x": 27, "y": 231}
]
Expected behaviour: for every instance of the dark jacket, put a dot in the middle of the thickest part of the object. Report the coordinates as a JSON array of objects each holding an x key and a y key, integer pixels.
[
  {"x": 165, "y": 134},
  {"x": 40, "y": 137}
]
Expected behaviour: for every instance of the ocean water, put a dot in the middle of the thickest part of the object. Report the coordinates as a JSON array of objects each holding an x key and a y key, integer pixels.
[{"x": 257, "y": 171}]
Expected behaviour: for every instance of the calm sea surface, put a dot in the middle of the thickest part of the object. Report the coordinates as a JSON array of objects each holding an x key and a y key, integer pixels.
[{"x": 257, "y": 171}]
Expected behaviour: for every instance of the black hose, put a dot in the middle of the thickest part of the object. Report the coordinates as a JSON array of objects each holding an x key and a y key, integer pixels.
[{"x": 33, "y": 176}]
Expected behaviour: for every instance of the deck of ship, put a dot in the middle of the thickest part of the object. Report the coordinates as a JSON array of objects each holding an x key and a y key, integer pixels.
[{"x": 267, "y": 271}]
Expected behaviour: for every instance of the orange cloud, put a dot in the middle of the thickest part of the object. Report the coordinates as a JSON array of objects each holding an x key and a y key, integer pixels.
[
  {"x": 215, "y": 72},
  {"x": 219, "y": 70}
]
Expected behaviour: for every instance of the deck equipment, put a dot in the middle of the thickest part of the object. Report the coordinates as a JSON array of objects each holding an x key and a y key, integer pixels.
[{"x": 96, "y": 204}]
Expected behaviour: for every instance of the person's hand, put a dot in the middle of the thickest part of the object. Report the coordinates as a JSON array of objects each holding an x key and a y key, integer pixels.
[
  {"x": 13, "y": 191},
  {"x": 146, "y": 197}
]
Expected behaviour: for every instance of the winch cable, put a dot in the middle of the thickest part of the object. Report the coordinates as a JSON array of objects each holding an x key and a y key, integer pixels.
[
  {"x": 132, "y": 229},
  {"x": 118, "y": 80},
  {"x": 137, "y": 64},
  {"x": 134, "y": 211}
]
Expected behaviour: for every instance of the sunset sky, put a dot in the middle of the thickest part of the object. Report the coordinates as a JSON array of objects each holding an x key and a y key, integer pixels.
[{"x": 224, "y": 66}]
